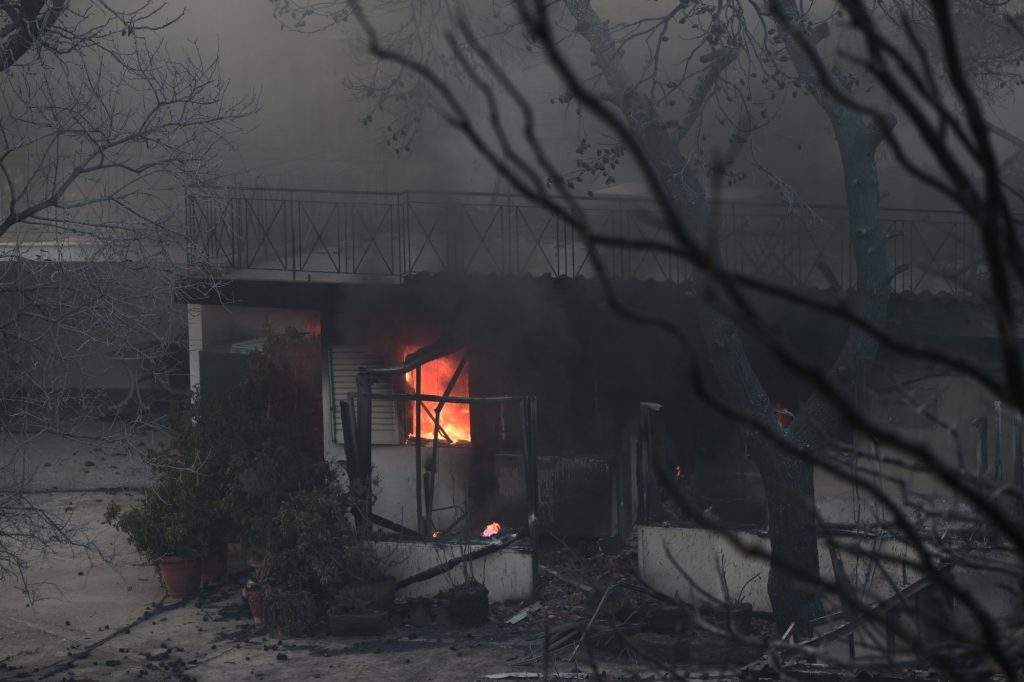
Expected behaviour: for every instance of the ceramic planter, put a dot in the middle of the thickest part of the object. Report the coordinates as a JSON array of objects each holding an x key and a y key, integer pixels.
[
  {"x": 257, "y": 604},
  {"x": 181, "y": 576}
]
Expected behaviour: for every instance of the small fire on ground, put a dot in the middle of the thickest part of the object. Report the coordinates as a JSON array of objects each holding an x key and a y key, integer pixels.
[{"x": 491, "y": 529}]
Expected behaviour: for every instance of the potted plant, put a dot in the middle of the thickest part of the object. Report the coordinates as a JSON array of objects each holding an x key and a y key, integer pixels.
[
  {"x": 312, "y": 560},
  {"x": 306, "y": 543},
  {"x": 173, "y": 526}
]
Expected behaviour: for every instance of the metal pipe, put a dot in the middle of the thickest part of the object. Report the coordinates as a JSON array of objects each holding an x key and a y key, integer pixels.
[{"x": 420, "y": 522}]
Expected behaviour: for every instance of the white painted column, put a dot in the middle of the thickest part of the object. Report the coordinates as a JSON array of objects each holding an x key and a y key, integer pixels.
[{"x": 195, "y": 342}]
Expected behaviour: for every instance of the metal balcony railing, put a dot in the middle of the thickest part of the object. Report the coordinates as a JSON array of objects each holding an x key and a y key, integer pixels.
[{"x": 307, "y": 232}]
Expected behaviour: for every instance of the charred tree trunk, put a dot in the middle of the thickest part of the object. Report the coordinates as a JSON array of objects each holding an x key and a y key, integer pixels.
[
  {"x": 793, "y": 533},
  {"x": 789, "y": 480}
]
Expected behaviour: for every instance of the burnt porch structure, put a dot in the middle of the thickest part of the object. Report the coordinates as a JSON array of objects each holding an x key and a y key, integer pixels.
[
  {"x": 513, "y": 281},
  {"x": 314, "y": 235}
]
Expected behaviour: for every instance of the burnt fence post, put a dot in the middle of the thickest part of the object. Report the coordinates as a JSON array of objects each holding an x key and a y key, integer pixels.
[
  {"x": 364, "y": 434},
  {"x": 528, "y": 417}
]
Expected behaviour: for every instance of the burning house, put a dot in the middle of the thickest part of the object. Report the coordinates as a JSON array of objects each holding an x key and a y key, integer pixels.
[{"x": 474, "y": 375}]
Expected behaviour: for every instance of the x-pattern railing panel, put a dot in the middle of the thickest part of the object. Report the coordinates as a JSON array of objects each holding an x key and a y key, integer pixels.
[
  {"x": 787, "y": 248},
  {"x": 319, "y": 235},
  {"x": 397, "y": 234},
  {"x": 263, "y": 223},
  {"x": 373, "y": 240},
  {"x": 426, "y": 235},
  {"x": 536, "y": 234},
  {"x": 207, "y": 243}
]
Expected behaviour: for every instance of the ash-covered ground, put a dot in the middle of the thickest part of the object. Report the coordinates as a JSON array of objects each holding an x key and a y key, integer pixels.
[{"x": 102, "y": 614}]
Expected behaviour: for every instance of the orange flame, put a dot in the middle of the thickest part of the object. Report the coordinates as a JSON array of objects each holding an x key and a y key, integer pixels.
[
  {"x": 435, "y": 376},
  {"x": 436, "y": 534},
  {"x": 679, "y": 471},
  {"x": 491, "y": 529}
]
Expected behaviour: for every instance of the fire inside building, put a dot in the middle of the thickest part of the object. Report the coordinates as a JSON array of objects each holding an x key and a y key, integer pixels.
[{"x": 475, "y": 373}]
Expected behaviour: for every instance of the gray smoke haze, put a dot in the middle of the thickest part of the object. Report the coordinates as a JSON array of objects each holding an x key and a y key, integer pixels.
[{"x": 309, "y": 131}]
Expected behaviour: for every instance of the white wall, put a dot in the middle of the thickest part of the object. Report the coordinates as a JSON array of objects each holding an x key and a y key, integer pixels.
[
  {"x": 662, "y": 552},
  {"x": 954, "y": 402},
  {"x": 394, "y": 473},
  {"x": 507, "y": 574}
]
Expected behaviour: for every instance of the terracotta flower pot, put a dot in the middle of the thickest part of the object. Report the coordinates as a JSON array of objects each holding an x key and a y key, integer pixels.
[
  {"x": 257, "y": 604},
  {"x": 215, "y": 565},
  {"x": 181, "y": 576}
]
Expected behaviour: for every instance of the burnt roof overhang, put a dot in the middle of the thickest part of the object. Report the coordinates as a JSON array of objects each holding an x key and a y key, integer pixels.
[{"x": 911, "y": 314}]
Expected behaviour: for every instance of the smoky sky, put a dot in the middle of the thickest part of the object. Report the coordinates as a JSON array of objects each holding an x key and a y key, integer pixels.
[{"x": 309, "y": 131}]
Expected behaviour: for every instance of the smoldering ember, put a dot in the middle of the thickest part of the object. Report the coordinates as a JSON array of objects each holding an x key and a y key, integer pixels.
[{"x": 511, "y": 340}]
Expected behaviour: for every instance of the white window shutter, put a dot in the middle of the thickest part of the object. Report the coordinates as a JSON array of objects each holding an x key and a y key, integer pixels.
[{"x": 345, "y": 364}]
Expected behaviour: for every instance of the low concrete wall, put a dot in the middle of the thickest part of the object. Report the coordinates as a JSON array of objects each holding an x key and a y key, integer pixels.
[
  {"x": 667, "y": 555},
  {"x": 506, "y": 574},
  {"x": 681, "y": 562}
]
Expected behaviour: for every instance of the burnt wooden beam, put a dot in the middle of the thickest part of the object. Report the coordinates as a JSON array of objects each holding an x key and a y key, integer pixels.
[
  {"x": 448, "y": 565},
  {"x": 438, "y": 349},
  {"x": 392, "y": 526}
]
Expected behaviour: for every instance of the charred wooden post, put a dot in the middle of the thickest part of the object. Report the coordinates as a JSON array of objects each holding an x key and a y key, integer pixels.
[
  {"x": 1018, "y": 464},
  {"x": 644, "y": 458},
  {"x": 431, "y": 472},
  {"x": 528, "y": 419},
  {"x": 641, "y": 469},
  {"x": 364, "y": 436},
  {"x": 998, "y": 408},
  {"x": 981, "y": 452},
  {"x": 623, "y": 494},
  {"x": 421, "y": 523}
]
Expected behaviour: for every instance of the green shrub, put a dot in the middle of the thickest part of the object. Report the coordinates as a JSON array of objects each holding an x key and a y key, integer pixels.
[
  {"x": 251, "y": 460},
  {"x": 309, "y": 543},
  {"x": 173, "y": 519}
]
